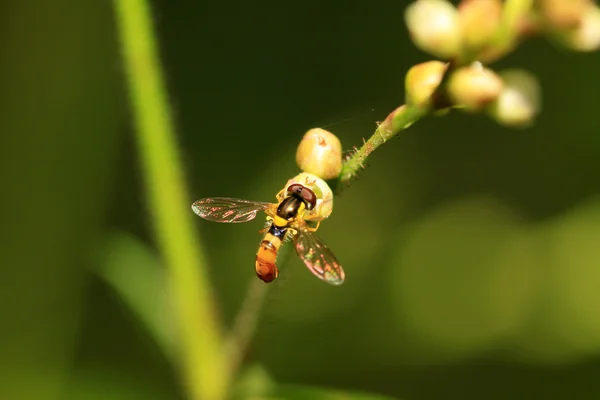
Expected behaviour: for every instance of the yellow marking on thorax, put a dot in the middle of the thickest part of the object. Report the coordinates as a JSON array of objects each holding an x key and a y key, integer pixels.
[
  {"x": 301, "y": 209},
  {"x": 279, "y": 222}
]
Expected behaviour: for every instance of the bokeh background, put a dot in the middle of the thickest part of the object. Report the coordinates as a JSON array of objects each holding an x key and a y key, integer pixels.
[{"x": 471, "y": 251}]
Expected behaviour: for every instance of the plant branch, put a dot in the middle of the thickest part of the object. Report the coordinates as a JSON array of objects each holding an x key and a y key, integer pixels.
[
  {"x": 397, "y": 121},
  {"x": 245, "y": 324},
  {"x": 246, "y": 320},
  {"x": 201, "y": 353},
  {"x": 514, "y": 17}
]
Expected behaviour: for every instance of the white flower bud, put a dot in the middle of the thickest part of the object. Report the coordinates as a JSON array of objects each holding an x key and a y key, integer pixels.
[
  {"x": 479, "y": 21},
  {"x": 320, "y": 153},
  {"x": 563, "y": 14},
  {"x": 519, "y": 102},
  {"x": 474, "y": 86},
  {"x": 586, "y": 36},
  {"x": 434, "y": 27}
]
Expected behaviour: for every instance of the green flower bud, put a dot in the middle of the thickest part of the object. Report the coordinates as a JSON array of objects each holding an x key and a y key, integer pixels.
[
  {"x": 479, "y": 21},
  {"x": 474, "y": 86},
  {"x": 422, "y": 80},
  {"x": 519, "y": 102},
  {"x": 433, "y": 26},
  {"x": 320, "y": 153}
]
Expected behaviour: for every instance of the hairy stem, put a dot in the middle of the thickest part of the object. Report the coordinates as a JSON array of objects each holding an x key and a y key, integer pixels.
[
  {"x": 397, "y": 121},
  {"x": 201, "y": 358}
]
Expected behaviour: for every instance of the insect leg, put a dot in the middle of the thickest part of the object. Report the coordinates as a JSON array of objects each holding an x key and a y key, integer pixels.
[{"x": 315, "y": 228}]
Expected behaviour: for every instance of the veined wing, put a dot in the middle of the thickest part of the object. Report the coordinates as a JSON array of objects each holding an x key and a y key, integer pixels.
[
  {"x": 225, "y": 209},
  {"x": 318, "y": 258}
]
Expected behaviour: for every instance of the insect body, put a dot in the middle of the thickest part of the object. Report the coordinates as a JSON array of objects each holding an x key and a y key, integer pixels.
[{"x": 304, "y": 198}]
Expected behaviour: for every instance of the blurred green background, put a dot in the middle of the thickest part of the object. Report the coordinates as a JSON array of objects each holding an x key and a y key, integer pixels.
[{"x": 471, "y": 251}]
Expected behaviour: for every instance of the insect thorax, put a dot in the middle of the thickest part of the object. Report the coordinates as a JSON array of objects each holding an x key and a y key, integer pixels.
[{"x": 289, "y": 208}]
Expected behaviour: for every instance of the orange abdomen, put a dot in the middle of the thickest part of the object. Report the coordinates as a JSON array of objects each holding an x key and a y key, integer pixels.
[{"x": 266, "y": 258}]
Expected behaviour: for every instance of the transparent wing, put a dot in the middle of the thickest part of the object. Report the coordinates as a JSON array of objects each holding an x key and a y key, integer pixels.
[
  {"x": 318, "y": 257},
  {"x": 225, "y": 209}
]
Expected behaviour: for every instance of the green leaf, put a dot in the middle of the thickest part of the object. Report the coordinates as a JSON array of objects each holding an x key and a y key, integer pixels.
[
  {"x": 297, "y": 392},
  {"x": 464, "y": 277},
  {"x": 132, "y": 269},
  {"x": 60, "y": 131},
  {"x": 106, "y": 383},
  {"x": 565, "y": 328},
  {"x": 256, "y": 384}
]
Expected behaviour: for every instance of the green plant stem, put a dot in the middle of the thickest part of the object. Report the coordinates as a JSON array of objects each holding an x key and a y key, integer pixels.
[
  {"x": 245, "y": 323},
  {"x": 201, "y": 353},
  {"x": 514, "y": 14},
  {"x": 397, "y": 121}
]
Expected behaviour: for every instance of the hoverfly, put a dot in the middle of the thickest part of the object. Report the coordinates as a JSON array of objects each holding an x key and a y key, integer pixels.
[{"x": 305, "y": 198}]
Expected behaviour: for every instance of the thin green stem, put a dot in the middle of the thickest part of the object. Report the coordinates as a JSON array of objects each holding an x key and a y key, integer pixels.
[
  {"x": 245, "y": 323},
  {"x": 397, "y": 121},
  {"x": 201, "y": 357},
  {"x": 514, "y": 14}
]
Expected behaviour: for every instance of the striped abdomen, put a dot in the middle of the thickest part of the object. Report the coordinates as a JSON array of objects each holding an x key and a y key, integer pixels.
[{"x": 266, "y": 257}]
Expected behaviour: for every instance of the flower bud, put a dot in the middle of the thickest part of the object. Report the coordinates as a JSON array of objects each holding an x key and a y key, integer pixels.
[
  {"x": 564, "y": 14},
  {"x": 479, "y": 21},
  {"x": 519, "y": 102},
  {"x": 474, "y": 86},
  {"x": 320, "y": 153},
  {"x": 322, "y": 191},
  {"x": 433, "y": 26},
  {"x": 586, "y": 36},
  {"x": 422, "y": 80}
]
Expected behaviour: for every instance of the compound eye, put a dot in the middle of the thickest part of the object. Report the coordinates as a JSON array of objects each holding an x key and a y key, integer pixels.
[
  {"x": 309, "y": 197},
  {"x": 295, "y": 188}
]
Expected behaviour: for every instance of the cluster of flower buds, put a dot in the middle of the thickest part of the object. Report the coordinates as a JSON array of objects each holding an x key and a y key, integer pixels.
[
  {"x": 576, "y": 23},
  {"x": 449, "y": 32},
  {"x": 478, "y": 29},
  {"x": 465, "y": 37},
  {"x": 482, "y": 31},
  {"x": 511, "y": 97}
]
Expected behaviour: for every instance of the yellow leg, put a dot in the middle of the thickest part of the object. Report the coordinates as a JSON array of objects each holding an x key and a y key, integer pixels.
[{"x": 315, "y": 228}]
